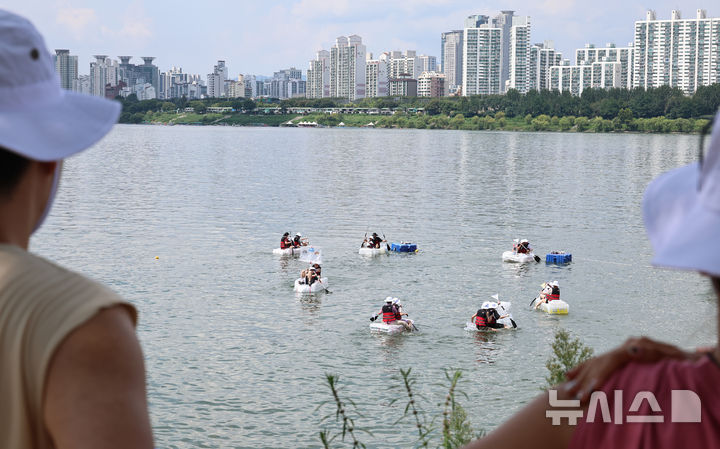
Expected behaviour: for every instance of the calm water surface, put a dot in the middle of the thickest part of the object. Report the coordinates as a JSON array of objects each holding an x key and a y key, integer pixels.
[{"x": 235, "y": 359}]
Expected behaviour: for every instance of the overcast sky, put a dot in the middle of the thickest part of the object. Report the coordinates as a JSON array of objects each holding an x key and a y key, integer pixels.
[{"x": 260, "y": 37}]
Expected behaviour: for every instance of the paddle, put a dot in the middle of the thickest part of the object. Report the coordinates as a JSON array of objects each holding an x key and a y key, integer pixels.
[
  {"x": 387, "y": 245},
  {"x": 537, "y": 258},
  {"x": 533, "y": 301}
]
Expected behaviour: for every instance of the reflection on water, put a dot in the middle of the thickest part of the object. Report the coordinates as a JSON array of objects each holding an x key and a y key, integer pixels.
[{"x": 235, "y": 359}]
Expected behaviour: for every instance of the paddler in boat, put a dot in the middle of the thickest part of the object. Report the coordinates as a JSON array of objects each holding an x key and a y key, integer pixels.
[
  {"x": 550, "y": 292},
  {"x": 375, "y": 241},
  {"x": 389, "y": 314},
  {"x": 298, "y": 241},
  {"x": 318, "y": 270},
  {"x": 399, "y": 310},
  {"x": 523, "y": 247},
  {"x": 486, "y": 318},
  {"x": 285, "y": 241}
]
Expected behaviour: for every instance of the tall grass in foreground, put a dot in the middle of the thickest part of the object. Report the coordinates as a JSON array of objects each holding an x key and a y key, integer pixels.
[
  {"x": 444, "y": 427},
  {"x": 447, "y": 427}
]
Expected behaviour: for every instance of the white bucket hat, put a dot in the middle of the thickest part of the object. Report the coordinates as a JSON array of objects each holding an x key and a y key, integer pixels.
[
  {"x": 38, "y": 119},
  {"x": 681, "y": 209}
]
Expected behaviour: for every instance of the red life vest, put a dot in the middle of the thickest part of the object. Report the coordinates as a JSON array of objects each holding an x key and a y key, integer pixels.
[
  {"x": 480, "y": 321},
  {"x": 285, "y": 244},
  {"x": 552, "y": 296},
  {"x": 388, "y": 313}
]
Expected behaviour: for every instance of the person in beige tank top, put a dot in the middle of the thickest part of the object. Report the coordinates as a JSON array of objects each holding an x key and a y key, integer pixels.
[{"x": 71, "y": 366}]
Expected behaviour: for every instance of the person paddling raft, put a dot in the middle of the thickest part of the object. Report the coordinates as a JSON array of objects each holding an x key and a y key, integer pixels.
[
  {"x": 550, "y": 292},
  {"x": 375, "y": 241},
  {"x": 487, "y": 317},
  {"x": 390, "y": 314},
  {"x": 298, "y": 241},
  {"x": 285, "y": 241},
  {"x": 523, "y": 247}
]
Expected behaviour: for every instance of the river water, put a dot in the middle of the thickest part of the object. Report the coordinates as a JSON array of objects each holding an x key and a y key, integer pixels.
[{"x": 182, "y": 220}]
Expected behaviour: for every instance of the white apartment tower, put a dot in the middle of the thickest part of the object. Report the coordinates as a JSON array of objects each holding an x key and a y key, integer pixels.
[
  {"x": 609, "y": 53},
  {"x": 542, "y": 57},
  {"x": 408, "y": 63},
  {"x": 103, "y": 71},
  {"x": 519, "y": 60},
  {"x": 318, "y": 76},
  {"x": 431, "y": 84},
  {"x": 576, "y": 78},
  {"x": 482, "y": 62},
  {"x": 376, "y": 76},
  {"x": 451, "y": 59},
  {"x": 683, "y": 53},
  {"x": 347, "y": 68},
  {"x": 66, "y": 67},
  {"x": 216, "y": 80}
]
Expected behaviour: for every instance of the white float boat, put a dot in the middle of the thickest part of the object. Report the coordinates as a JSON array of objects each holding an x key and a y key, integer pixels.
[
  {"x": 286, "y": 251},
  {"x": 373, "y": 251},
  {"x": 556, "y": 307},
  {"x": 512, "y": 256},
  {"x": 503, "y": 309},
  {"x": 380, "y": 326},
  {"x": 316, "y": 287}
]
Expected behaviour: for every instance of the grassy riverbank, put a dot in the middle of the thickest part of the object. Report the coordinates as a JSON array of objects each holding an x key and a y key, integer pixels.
[
  {"x": 500, "y": 122},
  {"x": 420, "y": 121}
]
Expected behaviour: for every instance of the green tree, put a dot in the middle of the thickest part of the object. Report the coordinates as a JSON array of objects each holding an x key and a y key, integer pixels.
[
  {"x": 541, "y": 122},
  {"x": 567, "y": 354},
  {"x": 582, "y": 124},
  {"x": 565, "y": 123}
]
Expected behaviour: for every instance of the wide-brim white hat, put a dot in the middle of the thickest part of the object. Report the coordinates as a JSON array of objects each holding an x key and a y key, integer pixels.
[
  {"x": 38, "y": 119},
  {"x": 681, "y": 210}
]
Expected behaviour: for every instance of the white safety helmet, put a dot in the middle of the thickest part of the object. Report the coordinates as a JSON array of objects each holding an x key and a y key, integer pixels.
[
  {"x": 388, "y": 299},
  {"x": 524, "y": 241},
  {"x": 298, "y": 235},
  {"x": 486, "y": 305},
  {"x": 555, "y": 284},
  {"x": 395, "y": 300}
]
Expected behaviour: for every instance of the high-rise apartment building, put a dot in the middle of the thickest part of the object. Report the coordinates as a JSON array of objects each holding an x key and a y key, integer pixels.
[
  {"x": 347, "y": 68},
  {"x": 504, "y": 21},
  {"x": 683, "y": 53},
  {"x": 499, "y": 51},
  {"x": 401, "y": 64},
  {"x": 103, "y": 72},
  {"x": 132, "y": 74},
  {"x": 519, "y": 57},
  {"x": 66, "y": 67},
  {"x": 542, "y": 57},
  {"x": 451, "y": 54},
  {"x": 609, "y": 53},
  {"x": 402, "y": 86},
  {"x": 318, "y": 76},
  {"x": 576, "y": 78},
  {"x": 482, "y": 48},
  {"x": 376, "y": 76},
  {"x": 428, "y": 63},
  {"x": 216, "y": 81},
  {"x": 287, "y": 83},
  {"x": 431, "y": 84}
]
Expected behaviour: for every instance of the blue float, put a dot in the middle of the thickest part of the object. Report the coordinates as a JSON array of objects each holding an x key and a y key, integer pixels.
[
  {"x": 404, "y": 247},
  {"x": 558, "y": 258}
]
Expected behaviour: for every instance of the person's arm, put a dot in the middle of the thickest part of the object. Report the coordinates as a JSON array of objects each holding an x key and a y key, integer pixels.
[
  {"x": 528, "y": 429},
  {"x": 95, "y": 387}
]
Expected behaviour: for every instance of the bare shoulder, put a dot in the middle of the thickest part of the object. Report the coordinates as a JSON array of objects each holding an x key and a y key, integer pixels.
[{"x": 95, "y": 386}]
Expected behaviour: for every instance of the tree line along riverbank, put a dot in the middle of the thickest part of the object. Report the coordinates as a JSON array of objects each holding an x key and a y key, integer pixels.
[{"x": 659, "y": 110}]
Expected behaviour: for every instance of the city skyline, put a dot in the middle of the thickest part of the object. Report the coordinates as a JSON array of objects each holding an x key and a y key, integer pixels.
[{"x": 259, "y": 40}]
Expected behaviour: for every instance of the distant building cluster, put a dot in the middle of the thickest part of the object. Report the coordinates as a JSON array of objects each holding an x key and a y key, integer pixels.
[{"x": 487, "y": 56}]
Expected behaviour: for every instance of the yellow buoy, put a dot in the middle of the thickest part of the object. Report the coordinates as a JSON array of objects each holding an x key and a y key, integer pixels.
[{"x": 157, "y": 257}]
